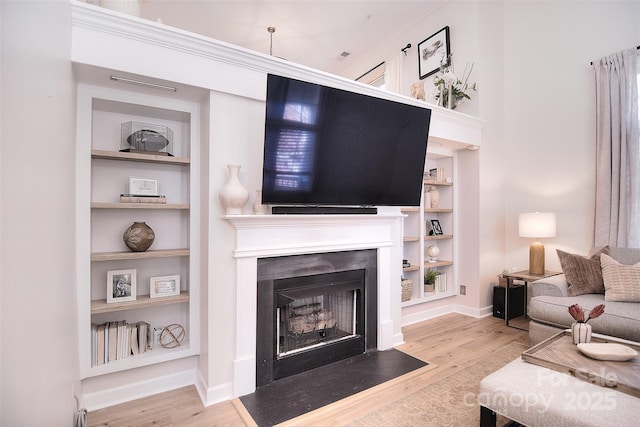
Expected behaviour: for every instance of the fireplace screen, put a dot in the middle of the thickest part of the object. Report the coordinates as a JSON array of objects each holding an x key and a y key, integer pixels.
[{"x": 306, "y": 322}]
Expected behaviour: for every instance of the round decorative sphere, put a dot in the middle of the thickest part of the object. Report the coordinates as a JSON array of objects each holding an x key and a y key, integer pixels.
[
  {"x": 138, "y": 237},
  {"x": 172, "y": 336},
  {"x": 433, "y": 251}
]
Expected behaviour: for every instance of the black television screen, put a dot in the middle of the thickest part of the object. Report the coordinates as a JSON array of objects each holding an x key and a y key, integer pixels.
[{"x": 327, "y": 146}]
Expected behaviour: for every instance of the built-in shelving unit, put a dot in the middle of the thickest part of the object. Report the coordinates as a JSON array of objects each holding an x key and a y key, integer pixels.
[
  {"x": 103, "y": 173},
  {"x": 417, "y": 239}
]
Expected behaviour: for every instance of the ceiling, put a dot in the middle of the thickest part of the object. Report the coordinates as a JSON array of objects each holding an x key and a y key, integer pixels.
[{"x": 311, "y": 33}]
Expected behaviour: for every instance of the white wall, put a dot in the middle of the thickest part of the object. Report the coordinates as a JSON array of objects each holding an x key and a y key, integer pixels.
[
  {"x": 38, "y": 315},
  {"x": 536, "y": 91}
]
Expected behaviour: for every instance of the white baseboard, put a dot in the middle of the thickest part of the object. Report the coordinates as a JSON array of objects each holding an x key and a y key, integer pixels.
[
  {"x": 441, "y": 311},
  {"x": 212, "y": 395},
  {"x": 136, "y": 390}
]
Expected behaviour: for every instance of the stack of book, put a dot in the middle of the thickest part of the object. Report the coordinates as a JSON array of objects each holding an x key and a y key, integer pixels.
[
  {"x": 118, "y": 340},
  {"x": 132, "y": 198},
  {"x": 436, "y": 174},
  {"x": 441, "y": 282}
]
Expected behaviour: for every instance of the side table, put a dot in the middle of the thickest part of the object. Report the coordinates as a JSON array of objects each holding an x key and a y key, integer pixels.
[{"x": 526, "y": 277}]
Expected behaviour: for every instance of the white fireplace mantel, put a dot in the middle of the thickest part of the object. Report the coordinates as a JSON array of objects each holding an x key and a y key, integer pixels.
[{"x": 262, "y": 236}]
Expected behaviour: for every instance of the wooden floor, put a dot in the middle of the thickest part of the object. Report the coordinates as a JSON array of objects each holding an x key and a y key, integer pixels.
[{"x": 448, "y": 343}]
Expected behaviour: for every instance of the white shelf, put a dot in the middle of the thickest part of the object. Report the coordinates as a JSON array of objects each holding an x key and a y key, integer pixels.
[
  {"x": 102, "y": 175},
  {"x": 416, "y": 238}
]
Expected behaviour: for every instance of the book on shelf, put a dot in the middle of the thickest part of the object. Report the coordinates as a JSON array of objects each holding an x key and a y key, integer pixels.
[
  {"x": 441, "y": 282},
  {"x": 119, "y": 340},
  {"x": 436, "y": 174},
  {"x": 112, "y": 338},
  {"x": 132, "y": 198}
]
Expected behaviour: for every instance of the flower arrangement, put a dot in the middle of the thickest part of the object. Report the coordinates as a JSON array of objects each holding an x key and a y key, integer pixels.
[
  {"x": 578, "y": 313},
  {"x": 449, "y": 89}
]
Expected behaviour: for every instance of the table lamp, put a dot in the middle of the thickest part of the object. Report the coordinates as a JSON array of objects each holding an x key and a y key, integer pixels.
[{"x": 537, "y": 225}]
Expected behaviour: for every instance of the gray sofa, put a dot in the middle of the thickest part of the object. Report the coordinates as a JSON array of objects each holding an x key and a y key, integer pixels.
[{"x": 548, "y": 306}]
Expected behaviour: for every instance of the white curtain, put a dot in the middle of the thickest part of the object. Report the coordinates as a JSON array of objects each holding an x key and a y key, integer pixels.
[
  {"x": 393, "y": 74},
  {"x": 617, "y": 221}
]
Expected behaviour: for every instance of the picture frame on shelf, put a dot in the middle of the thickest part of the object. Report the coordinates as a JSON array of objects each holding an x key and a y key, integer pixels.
[
  {"x": 164, "y": 286},
  {"x": 143, "y": 186},
  {"x": 436, "y": 228},
  {"x": 432, "y": 51},
  {"x": 121, "y": 286}
]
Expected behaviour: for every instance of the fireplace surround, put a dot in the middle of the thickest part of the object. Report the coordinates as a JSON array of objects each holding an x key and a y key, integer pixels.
[{"x": 266, "y": 236}]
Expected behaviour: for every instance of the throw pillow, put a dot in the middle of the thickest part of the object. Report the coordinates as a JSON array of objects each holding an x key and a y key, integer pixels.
[
  {"x": 621, "y": 282},
  {"x": 584, "y": 275}
]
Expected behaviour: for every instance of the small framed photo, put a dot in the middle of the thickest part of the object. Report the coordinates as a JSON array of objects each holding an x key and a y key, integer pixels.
[
  {"x": 143, "y": 186},
  {"x": 436, "y": 229},
  {"x": 164, "y": 286},
  {"x": 121, "y": 286},
  {"x": 433, "y": 52}
]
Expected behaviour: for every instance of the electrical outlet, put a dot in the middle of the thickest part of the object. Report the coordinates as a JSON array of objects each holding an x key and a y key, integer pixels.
[{"x": 463, "y": 289}]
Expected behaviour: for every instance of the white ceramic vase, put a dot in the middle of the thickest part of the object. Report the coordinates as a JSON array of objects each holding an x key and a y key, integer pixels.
[
  {"x": 581, "y": 332},
  {"x": 233, "y": 195},
  {"x": 434, "y": 196}
]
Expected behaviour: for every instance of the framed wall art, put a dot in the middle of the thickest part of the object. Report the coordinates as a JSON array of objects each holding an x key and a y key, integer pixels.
[
  {"x": 164, "y": 286},
  {"x": 432, "y": 52},
  {"x": 121, "y": 286}
]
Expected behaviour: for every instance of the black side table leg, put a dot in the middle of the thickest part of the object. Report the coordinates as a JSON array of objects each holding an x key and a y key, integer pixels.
[{"x": 487, "y": 417}]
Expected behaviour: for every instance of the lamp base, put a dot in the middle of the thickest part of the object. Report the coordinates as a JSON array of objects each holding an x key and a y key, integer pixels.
[{"x": 536, "y": 258}]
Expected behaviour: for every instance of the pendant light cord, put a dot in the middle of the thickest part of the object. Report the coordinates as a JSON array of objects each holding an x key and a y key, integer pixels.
[{"x": 271, "y": 30}]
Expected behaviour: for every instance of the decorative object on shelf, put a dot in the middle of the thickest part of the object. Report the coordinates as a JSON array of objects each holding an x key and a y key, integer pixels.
[
  {"x": 121, "y": 286},
  {"x": 417, "y": 90},
  {"x": 449, "y": 89},
  {"x": 143, "y": 186},
  {"x": 436, "y": 174},
  {"x": 138, "y": 237},
  {"x": 172, "y": 336},
  {"x": 131, "y": 7},
  {"x": 434, "y": 197},
  {"x": 258, "y": 207},
  {"x": 430, "y": 277},
  {"x": 164, "y": 286},
  {"x": 433, "y": 251},
  {"x": 407, "y": 289},
  {"x": 233, "y": 195},
  {"x": 137, "y": 137},
  {"x": 432, "y": 51},
  {"x": 580, "y": 330},
  {"x": 537, "y": 225},
  {"x": 436, "y": 229},
  {"x": 406, "y": 263}
]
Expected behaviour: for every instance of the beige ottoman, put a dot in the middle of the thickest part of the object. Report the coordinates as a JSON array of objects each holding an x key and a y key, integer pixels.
[{"x": 536, "y": 396}]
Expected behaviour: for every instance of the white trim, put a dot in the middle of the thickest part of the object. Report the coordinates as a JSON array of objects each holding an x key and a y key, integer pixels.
[{"x": 136, "y": 390}]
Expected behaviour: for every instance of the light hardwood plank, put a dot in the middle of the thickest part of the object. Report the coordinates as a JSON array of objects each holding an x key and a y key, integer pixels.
[{"x": 448, "y": 343}]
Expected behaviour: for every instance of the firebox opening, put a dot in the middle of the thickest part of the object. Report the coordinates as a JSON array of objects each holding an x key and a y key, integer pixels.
[
  {"x": 310, "y": 318},
  {"x": 314, "y": 310}
]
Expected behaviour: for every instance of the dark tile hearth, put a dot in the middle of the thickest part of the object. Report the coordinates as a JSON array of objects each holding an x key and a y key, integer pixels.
[{"x": 298, "y": 394}]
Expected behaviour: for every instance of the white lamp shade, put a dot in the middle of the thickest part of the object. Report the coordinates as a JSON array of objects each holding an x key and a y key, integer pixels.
[{"x": 537, "y": 224}]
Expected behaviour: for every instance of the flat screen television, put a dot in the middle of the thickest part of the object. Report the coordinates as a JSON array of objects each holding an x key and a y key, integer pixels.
[{"x": 325, "y": 146}]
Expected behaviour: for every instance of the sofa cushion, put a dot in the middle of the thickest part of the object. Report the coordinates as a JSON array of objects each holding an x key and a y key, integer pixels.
[
  {"x": 620, "y": 319},
  {"x": 621, "y": 282},
  {"x": 584, "y": 275}
]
